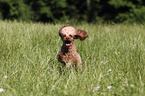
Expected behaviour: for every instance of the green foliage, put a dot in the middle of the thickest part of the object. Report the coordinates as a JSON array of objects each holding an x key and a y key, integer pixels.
[
  {"x": 113, "y": 58},
  {"x": 135, "y": 15},
  {"x": 15, "y": 9},
  {"x": 135, "y": 10},
  {"x": 47, "y": 10},
  {"x": 127, "y": 11}
]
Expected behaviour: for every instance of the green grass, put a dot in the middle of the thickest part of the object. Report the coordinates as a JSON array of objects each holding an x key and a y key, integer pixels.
[{"x": 113, "y": 55}]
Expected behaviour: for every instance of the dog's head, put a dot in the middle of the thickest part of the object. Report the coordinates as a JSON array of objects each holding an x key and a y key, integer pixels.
[{"x": 68, "y": 34}]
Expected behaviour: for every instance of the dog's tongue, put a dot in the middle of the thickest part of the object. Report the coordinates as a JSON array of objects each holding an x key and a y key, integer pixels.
[{"x": 67, "y": 44}]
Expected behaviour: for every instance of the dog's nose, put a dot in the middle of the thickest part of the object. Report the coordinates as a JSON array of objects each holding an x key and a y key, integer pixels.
[{"x": 67, "y": 38}]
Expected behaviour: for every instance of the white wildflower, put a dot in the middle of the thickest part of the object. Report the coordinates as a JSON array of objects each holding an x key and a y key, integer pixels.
[
  {"x": 5, "y": 76},
  {"x": 102, "y": 93},
  {"x": 131, "y": 85},
  {"x": 96, "y": 88},
  {"x": 109, "y": 70},
  {"x": 1, "y": 90},
  {"x": 109, "y": 87},
  {"x": 123, "y": 84}
]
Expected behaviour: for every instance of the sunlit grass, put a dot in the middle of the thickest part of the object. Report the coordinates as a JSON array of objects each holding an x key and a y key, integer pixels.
[{"x": 113, "y": 60}]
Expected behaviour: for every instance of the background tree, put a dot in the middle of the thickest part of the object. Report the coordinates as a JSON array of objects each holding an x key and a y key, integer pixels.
[
  {"x": 127, "y": 11},
  {"x": 14, "y": 9}
]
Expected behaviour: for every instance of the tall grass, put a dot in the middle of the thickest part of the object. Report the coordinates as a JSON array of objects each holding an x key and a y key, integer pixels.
[{"x": 113, "y": 59}]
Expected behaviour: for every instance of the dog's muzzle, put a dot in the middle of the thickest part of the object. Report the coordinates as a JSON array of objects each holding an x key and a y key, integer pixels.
[{"x": 68, "y": 43}]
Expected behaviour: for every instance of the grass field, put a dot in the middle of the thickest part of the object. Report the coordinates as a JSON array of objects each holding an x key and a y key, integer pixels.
[{"x": 113, "y": 59}]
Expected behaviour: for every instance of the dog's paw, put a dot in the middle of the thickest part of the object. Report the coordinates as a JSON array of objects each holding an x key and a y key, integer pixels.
[{"x": 61, "y": 57}]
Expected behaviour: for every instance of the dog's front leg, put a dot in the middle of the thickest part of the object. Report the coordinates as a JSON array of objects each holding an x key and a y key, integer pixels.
[{"x": 62, "y": 58}]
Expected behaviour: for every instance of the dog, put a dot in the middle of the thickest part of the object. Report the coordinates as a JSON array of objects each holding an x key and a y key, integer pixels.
[{"x": 68, "y": 55}]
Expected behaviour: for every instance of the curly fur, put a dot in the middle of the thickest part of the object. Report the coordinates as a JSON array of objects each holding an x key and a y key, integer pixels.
[{"x": 68, "y": 54}]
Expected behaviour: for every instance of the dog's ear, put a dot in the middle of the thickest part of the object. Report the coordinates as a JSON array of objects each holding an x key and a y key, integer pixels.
[{"x": 81, "y": 34}]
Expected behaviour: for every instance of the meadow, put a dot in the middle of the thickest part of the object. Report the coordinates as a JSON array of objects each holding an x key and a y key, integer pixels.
[{"x": 113, "y": 60}]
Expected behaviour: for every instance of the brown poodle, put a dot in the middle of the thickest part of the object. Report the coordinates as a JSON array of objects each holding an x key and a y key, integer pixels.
[{"x": 68, "y": 54}]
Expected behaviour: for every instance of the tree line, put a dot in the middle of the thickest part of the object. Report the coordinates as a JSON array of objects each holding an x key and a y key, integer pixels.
[{"x": 118, "y": 11}]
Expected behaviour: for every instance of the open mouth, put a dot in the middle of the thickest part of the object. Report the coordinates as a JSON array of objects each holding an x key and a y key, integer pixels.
[{"x": 67, "y": 43}]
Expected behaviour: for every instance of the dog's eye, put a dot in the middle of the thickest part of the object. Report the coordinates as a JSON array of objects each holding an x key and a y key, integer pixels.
[
  {"x": 64, "y": 35},
  {"x": 70, "y": 35}
]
